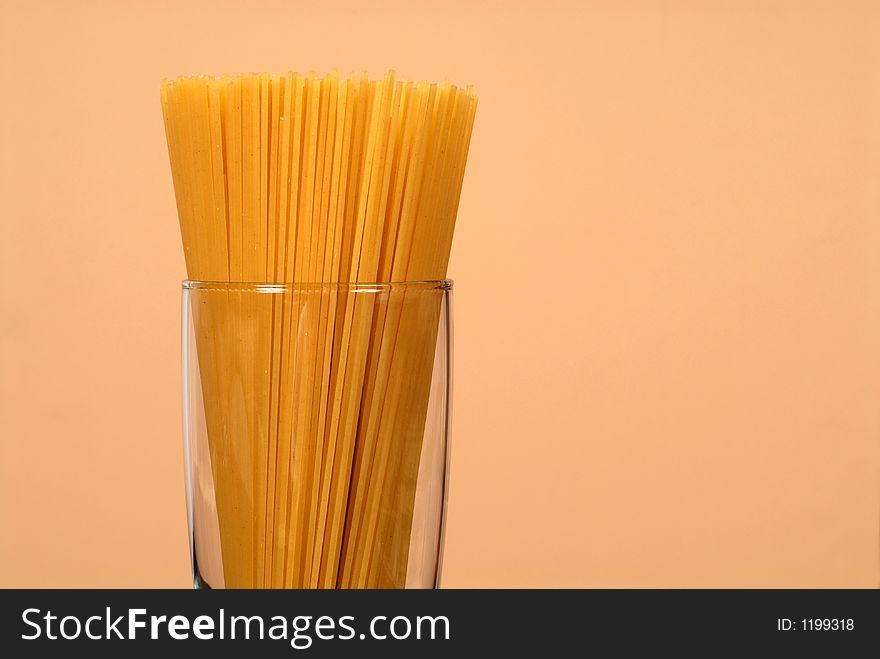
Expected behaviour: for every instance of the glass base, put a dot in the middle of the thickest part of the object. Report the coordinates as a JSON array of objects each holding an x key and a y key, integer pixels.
[{"x": 198, "y": 582}]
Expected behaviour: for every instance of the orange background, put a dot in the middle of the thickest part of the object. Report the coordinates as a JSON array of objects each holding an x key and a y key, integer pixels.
[{"x": 667, "y": 273}]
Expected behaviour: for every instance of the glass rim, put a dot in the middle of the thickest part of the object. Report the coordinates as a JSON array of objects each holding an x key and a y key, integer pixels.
[{"x": 284, "y": 287}]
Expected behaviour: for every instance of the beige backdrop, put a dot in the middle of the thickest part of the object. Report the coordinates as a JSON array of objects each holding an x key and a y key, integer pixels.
[{"x": 667, "y": 304}]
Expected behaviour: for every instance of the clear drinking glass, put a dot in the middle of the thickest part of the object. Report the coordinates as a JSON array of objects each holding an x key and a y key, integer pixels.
[{"x": 315, "y": 433}]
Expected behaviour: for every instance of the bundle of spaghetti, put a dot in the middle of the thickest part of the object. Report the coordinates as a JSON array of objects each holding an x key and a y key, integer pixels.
[{"x": 316, "y": 399}]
